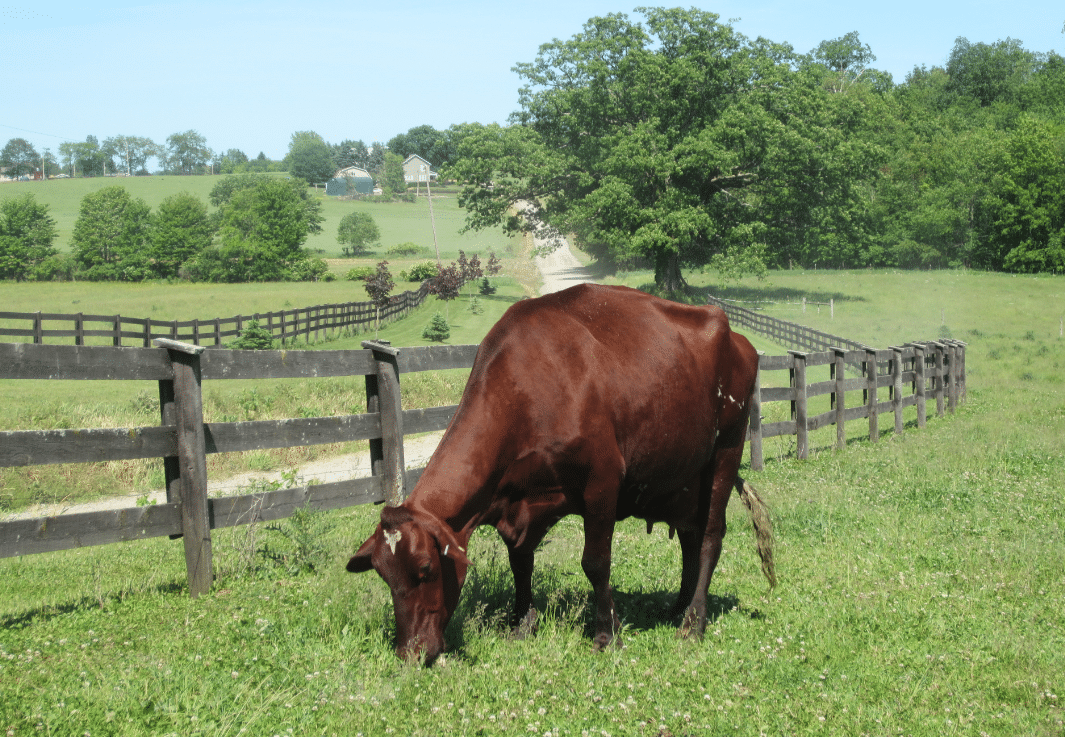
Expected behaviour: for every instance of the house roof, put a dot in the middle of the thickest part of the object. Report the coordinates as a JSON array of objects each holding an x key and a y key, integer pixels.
[{"x": 352, "y": 171}]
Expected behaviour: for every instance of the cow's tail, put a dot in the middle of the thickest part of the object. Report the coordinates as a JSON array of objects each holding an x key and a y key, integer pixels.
[{"x": 763, "y": 527}]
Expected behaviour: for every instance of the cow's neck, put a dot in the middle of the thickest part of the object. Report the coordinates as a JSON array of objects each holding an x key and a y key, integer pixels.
[{"x": 459, "y": 483}]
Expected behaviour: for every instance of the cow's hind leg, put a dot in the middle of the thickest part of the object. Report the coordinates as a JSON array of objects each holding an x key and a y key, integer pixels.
[
  {"x": 721, "y": 477},
  {"x": 690, "y": 550}
]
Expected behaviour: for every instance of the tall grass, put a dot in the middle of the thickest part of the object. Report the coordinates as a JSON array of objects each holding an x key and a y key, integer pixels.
[{"x": 920, "y": 592}]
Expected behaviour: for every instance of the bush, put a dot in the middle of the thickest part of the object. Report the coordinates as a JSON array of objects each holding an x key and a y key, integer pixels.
[
  {"x": 359, "y": 273},
  {"x": 254, "y": 337},
  {"x": 475, "y": 306},
  {"x": 437, "y": 329},
  {"x": 486, "y": 287},
  {"x": 407, "y": 249},
  {"x": 420, "y": 272},
  {"x": 310, "y": 269}
]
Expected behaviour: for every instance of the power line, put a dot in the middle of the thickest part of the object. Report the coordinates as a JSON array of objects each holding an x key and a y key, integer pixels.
[{"x": 36, "y": 133}]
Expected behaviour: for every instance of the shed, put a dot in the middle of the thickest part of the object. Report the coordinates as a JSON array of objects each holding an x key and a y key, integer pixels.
[{"x": 360, "y": 179}]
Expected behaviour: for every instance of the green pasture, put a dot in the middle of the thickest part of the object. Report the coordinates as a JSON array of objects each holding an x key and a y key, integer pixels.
[
  {"x": 921, "y": 588},
  {"x": 399, "y": 222}
]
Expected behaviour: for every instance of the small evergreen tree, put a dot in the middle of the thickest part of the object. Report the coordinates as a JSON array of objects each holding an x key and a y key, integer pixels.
[
  {"x": 254, "y": 337},
  {"x": 437, "y": 329}
]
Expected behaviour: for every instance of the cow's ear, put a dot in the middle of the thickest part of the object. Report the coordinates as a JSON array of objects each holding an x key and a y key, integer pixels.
[
  {"x": 448, "y": 544},
  {"x": 360, "y": 562}
]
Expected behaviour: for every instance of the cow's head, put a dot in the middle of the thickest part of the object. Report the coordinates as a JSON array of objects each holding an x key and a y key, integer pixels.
[{"x": 421, "y": 560}]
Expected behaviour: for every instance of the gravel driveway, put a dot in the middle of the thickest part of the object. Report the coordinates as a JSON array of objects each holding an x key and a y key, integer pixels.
[{"x": 560, "y": 269}]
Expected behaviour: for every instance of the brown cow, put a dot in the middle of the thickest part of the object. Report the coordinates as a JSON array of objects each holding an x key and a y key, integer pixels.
[{"x": 600, "y": 401}]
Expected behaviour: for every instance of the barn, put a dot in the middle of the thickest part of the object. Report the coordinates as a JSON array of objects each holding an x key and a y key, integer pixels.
[{"x": 349, "y": 181}]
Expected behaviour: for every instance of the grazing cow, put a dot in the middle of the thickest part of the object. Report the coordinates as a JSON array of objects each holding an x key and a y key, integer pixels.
[{"x": 600, "y": 401}]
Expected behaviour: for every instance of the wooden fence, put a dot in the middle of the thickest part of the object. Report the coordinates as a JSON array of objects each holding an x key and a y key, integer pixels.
[
  {"x": 287, "y": 325},
  {"x": 910, "y": 374},
  {"x": 935, "y": 371},
  {"x": 183, "y": 439}
]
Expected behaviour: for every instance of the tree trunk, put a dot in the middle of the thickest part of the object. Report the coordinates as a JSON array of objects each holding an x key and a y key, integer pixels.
[{"x": 667, "y": 271}]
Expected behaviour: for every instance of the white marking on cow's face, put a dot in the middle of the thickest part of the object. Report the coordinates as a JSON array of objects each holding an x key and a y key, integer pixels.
[{"x": 391, "y": 538}]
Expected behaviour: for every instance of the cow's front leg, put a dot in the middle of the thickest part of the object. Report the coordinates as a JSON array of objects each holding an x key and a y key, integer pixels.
[
  {"x": 691, "y": 554},
  {"x": 523, "y": 620},
  {"x": 598, "y": 535}
]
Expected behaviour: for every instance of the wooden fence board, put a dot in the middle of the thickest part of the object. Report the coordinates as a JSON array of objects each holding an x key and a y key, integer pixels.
[
  {"x": 223, "y": 363},
  {"x": 429, "y": 419},
  {"x": 65, "y": 531},
  {"x": 31, "y": 361},
  {"x": 44, "y": 447},
  {"x": 230, "y": 437}
]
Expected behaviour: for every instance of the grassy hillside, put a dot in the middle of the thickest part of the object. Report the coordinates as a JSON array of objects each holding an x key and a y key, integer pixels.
[{"x": 399, "y": 222}]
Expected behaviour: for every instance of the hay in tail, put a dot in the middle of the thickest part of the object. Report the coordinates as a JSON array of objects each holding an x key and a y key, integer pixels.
[{"x": 763, "y": 527}]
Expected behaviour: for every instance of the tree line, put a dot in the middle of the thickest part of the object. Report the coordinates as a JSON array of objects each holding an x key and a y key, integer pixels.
[
  {"x": 677, "y": 142},
  {"x": 256, "y": 233}
]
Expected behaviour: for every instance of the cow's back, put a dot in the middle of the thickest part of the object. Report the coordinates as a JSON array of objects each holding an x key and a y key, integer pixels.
[{"x": 578, "y": 365}]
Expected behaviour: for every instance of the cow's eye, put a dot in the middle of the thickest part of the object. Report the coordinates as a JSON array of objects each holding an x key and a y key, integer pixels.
[{"x": 425, "y": 571}]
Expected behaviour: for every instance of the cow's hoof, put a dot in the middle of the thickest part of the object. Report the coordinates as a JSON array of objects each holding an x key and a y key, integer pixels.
[
  {"x": 693, "y": 627},
  {"x": 606, "y": 642},
  {"x": 527, "y": 627}
]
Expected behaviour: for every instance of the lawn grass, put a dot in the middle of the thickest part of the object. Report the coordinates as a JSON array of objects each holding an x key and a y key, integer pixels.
[{"x": 921, "y": 589}]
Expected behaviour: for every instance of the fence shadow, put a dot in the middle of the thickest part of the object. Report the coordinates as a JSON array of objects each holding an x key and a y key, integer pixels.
[{"x": 770, "y": 293}]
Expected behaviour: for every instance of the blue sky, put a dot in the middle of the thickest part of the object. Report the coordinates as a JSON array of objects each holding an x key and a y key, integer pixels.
[{"x": 248, "y": 75}]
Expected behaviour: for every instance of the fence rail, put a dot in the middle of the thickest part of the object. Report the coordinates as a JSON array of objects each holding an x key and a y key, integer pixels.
[
  {"x": 286, "y": 325},
  {"x": 933, "y": 371}
]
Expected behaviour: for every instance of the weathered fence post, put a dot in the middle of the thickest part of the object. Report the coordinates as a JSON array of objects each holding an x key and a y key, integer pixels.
[
  {"x": 798, "y": 405},
  {"x": 896, "y": 387},
  {"x": 117, "y": 332},
  {"x": 870, "y": 394},
  {"x": 940, "y": 377},
  {"x": 920, "y": 383},
  {"x": 952, "y": 371},
  {"x": 383, "y": 396},
  {"x": 38, "y": 328},
  {"x": 79, "y": 329},
  {"x": 185, "y": 406},
  {"x": 757, "y": 460},
  {"x": 839, "y": 373}
]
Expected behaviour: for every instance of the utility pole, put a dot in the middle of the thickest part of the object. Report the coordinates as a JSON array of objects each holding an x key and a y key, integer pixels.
[{"x": 432, "y": 218}]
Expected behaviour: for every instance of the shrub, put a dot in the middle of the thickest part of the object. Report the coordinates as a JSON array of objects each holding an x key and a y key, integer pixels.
[
  {"x": 475, "y": 306},
  {"x": 359, "y": 273},
  {"x": 437, "y": 329},
  {"x": 254, "y": 337},
  {"x": 420, "y": 272},
  {"x": 486, "y": 287},
  {"x": 407, "y": 249}
]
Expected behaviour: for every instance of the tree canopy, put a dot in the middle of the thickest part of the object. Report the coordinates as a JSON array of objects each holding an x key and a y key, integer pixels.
[
  {"x": 675, "y": 140},
  {"x": 19, "y": 158},
  {"x": 26, "y": 235},
  {"x": 310, "y": 158}
]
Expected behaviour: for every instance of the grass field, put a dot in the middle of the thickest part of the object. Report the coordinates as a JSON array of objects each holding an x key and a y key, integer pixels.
[
  {"x": 921, "y": 588},
  {"x": 399, "y": 222}
]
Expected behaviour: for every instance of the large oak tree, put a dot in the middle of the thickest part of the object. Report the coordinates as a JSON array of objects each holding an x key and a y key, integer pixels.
[{"x": 676, "y": 140}]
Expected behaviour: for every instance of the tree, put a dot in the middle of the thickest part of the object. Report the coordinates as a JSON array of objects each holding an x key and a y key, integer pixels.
[
  {"x": 1027, "y": 203},
  {"x": 130, "y": 153},
  {"x": 227, "y": 188},
  {"x": 445, "y": 285},
  {"x": 379, "y": 287},
  {"x": 990, "y": 72},
  {"x": 111, "y": 236},
  {"x": 357, "y": 232},
  {"x": 234, "y": 160},
  {"x": 181, "y": 230},
  {"x": 187, "y": 153},
  {"x": 674, "y": 140},
  {"x": 349, "y": 153},
  {"x": 26, "y": 236},
  {"x": 310, "y": 158},
  {"x": 469, "y": 269},
  {"x": 846, "y": 58},
  {"x": 19, "y": 157},
  {"x": 425, "y": 141},
  {"x": 261, "y": 233},
  {"x": 392, "y": 180},
  {"x": 437, "y": 330},
  {"x": 91, "y": 158}
]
